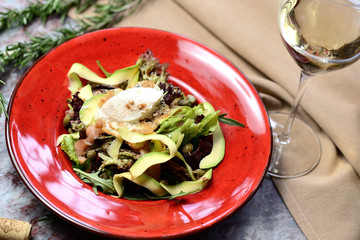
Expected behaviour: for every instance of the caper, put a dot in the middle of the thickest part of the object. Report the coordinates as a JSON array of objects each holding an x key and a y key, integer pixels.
[
  {"x": 91, "y": 154},
  {"x": 105, "y": 146},
  {"x": 184, "y": 102},
  {"x": 191, "y": 99},
  {"x": 198, "y": 173},
  {"x": 77, "y": 126},
  {"x": 187, "y": 148}
]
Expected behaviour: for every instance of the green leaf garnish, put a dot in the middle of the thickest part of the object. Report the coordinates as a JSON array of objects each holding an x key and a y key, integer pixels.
[
  {"x": 107, "y": 74},
  {"x": 229, "y": 121},
  {"x": 106, "y": 185},
  {"x": 83, "y": 166}
]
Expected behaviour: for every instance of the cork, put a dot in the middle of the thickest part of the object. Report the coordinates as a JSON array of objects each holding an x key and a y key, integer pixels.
[{"x": 11, "y": 229}]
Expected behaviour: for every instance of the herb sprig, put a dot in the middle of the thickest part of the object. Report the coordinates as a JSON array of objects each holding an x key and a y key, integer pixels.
[
  {"x": 229, "y": 121},
  {"x": 22, "y": 17},
  {"x": 20, "y": 54}
]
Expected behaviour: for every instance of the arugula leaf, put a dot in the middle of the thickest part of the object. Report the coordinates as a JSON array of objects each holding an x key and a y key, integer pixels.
[
  {"x": 83, "y": 166},
  {"x": 229, "y": 121},
  {"x": 106, "y": 185}
]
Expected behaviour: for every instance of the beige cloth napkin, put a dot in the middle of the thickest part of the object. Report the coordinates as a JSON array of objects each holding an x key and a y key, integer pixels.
[{"x": 326, "y": 202}]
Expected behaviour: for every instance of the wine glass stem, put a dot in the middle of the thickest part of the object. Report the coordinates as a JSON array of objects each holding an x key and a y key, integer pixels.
[{"x": 284, "y": 137}]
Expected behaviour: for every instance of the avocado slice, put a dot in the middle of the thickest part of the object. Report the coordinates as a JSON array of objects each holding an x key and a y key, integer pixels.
[
  {"x": 135, "y": 137},
  {"x": 113, "y": 149},
  {"x": 217, "y": 152},
  {"x": 78, "y": 70},
  {"x": 89, "y": 109},
  {"x": 151, "y": 158},
  {"x": 133, "y": 80},
  {"x": 148, "y": 160},
  {"x": 189, "y": 186},
  {"x": 86, "y": 93},
  {"x": 75, "y": 83},
  {"x": 142, "y": 180},
  {"x": 187, "y": 166}
]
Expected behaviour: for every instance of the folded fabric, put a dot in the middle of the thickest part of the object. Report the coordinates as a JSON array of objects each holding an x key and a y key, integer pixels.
[{"x": 326, "y": 202}]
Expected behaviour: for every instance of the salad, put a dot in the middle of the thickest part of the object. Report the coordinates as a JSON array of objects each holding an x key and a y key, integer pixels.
[{"x": 133, "y": 134}]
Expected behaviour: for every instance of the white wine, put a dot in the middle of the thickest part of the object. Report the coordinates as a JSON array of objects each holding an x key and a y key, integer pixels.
[{"x": 321, "y": 35}]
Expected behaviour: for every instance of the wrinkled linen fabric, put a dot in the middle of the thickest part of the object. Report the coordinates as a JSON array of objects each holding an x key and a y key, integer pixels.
[{"x": 326, "y": 202}]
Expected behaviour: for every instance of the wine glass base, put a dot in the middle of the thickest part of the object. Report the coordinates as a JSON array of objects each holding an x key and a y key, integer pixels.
[{"x": 300, "y": 156}]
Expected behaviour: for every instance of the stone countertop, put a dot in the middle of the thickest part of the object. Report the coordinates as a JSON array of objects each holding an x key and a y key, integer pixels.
[{"x": 265, "y": 216}]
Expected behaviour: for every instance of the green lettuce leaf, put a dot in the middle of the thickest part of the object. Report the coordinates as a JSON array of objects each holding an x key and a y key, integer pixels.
[
  {"x": 186, "y": 120},
  {"x": 67, "y": 145}
]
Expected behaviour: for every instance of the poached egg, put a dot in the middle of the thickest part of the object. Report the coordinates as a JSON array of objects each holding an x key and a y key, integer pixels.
[{"x": 131, "y": 105}]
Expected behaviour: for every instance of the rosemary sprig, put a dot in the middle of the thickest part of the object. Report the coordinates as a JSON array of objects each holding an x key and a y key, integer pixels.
[
  {"x": 229, "y": 121},
  {"x": 3, "y": 103},
  {"x": 15, "y": 17},
  {"x": 20, "y": 54},
  {"x": 49, "y": 218}
]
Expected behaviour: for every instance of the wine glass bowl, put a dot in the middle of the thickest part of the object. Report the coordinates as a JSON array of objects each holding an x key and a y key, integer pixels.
[{"x": 321, "y": 36}]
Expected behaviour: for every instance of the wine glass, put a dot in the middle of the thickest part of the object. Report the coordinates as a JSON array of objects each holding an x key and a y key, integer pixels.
[{"x": 321, "y": 36}]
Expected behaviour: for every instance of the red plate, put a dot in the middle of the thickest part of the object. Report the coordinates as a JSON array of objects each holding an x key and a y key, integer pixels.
[{"x": 37, "y": 109}]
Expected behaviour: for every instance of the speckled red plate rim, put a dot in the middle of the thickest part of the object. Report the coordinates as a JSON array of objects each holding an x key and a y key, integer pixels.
[{"x": 53, "y": 208}]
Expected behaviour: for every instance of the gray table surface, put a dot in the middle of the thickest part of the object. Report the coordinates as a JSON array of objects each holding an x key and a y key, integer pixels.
[{"x": 265, "y": 216}]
